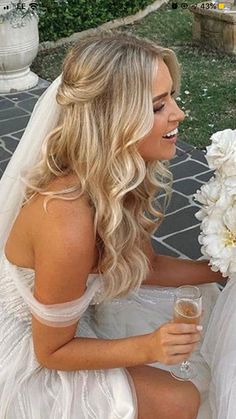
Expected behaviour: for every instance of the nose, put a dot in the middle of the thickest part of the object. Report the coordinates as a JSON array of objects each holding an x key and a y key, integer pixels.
[{"x": 177, "y": 114}]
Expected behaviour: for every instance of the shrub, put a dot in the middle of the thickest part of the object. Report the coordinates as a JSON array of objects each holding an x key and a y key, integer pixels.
[{"x": 62, "y": 19}]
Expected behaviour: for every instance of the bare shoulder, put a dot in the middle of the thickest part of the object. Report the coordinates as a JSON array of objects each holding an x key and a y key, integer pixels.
[{"x": 64, "y": 247}]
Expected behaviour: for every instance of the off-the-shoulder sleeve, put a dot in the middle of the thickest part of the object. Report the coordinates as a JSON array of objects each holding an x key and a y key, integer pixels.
[{"x": 62, "y": 314}]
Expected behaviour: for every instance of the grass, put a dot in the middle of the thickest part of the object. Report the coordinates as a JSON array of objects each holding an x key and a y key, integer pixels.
[{"x": 208, "y": 89}]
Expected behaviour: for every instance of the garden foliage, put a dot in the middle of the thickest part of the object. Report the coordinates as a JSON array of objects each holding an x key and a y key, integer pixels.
[{"x": 61, "y": 19}]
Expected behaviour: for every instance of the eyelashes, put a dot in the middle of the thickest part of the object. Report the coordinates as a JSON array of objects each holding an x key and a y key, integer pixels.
[{"x": 162, "y": 106}]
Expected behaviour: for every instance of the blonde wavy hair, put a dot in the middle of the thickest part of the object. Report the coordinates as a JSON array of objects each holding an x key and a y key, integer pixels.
[{"x": 106, "y": 109}]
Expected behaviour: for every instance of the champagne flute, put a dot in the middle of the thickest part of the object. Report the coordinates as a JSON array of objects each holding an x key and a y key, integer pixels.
[{"x": 187, "y": 309}]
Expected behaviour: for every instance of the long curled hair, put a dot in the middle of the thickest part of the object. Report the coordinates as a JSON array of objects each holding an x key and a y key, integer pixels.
[{"x": 106, "y": 109}]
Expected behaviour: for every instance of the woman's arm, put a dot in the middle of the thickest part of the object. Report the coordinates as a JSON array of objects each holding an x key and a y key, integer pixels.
[
  {"x": 172, "y": 272},
  {"x": 64, "y": 246},
  {"x": 171, "y": 344}
]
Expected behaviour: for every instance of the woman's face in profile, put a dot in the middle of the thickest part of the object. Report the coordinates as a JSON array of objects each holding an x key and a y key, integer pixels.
[{"x": 167, "y": 116}]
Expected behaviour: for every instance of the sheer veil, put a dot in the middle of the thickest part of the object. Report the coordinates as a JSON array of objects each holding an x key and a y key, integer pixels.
[
  {"x": 43, "y": 119},
  {"x": 24, "y": 385}
]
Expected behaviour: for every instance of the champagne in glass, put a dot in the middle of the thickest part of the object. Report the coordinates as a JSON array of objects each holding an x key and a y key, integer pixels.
[{"x": 187, "y": 309}]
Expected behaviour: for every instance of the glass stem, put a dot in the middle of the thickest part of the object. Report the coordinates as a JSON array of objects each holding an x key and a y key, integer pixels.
[{"x": 185, "y": 366}]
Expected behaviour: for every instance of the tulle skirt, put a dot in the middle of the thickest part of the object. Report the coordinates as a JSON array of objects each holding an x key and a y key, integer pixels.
[
  {"x": 30, "y": 391},
  {"x": 219, "y": 350}
]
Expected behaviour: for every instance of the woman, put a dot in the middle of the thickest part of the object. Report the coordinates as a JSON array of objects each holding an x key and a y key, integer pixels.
[{"x": 79, "y": 331}]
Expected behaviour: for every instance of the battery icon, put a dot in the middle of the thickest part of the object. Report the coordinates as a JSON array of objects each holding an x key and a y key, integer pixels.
[{"x": 221, "y": 5}]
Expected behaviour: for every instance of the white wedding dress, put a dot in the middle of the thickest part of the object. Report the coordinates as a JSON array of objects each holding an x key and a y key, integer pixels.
[
  {"x": 30, "y": 391},
  {"x": 219, "y": 350}
]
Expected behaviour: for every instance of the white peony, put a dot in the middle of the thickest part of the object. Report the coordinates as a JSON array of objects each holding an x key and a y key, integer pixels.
[
  {"x": 218, "y": 240},
  {"x": 221, "y": 154},
  {"x": 207, "y": 195},
  {"x": 230, "y": 185},
  {"x": 218, "y": 199},
  {"x": 209, "y": 192}
]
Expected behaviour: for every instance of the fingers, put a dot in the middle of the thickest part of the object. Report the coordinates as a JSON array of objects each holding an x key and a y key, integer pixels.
[
  {"x": 182, "y": 334},
  {"x": 181, "y": 349},
  {"x": 178, "y": 341},
  {"x": 183, "y": 339},
  {"x": 173, "y": 354},
  {"x": 181, "y": 328},
  {"x": 174, "y": 342}
]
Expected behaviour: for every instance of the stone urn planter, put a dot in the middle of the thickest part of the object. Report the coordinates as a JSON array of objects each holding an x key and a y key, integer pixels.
[
  {"x": 215, "y": 27},
  {"x": 19, "y": 42}
]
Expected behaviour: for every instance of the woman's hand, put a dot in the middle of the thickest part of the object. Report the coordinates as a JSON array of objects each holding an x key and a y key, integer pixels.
[{"x": 173, "y": 342}]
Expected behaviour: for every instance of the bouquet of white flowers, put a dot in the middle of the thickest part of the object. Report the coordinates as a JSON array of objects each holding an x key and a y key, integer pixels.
[{"x": 218, "y": 199}]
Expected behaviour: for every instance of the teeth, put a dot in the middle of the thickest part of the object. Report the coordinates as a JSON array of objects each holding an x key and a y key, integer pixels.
[{"x": 175, "y": 131}]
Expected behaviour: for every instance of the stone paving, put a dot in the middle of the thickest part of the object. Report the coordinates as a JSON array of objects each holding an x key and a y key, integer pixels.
[{"x": 178, "y": 234}]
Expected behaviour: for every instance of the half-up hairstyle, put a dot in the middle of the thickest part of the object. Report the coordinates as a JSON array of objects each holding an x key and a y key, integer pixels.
[{"x": 106, "y": 109}]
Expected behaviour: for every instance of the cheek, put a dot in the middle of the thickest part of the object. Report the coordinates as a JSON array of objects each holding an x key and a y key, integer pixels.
[
  {"x": 154, "y": 138},
  {"x": 155, "y": 135},
  {"x": 159, "y": 126},
  {"x": 151, "y": 144}
]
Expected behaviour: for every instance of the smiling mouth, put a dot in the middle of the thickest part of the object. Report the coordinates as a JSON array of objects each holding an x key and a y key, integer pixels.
[
  {"x": 172, "y": 134},
  {"x": 171, "y": 137}
]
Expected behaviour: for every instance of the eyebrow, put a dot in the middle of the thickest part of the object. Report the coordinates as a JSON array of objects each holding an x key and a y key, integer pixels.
[{"x": 162, "y": 95}]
